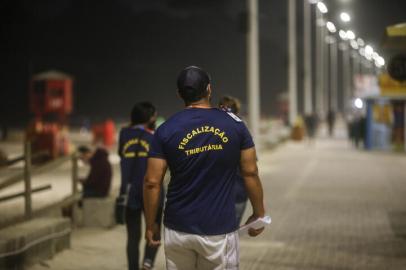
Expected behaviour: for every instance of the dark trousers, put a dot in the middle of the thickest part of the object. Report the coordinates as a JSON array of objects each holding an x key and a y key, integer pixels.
[{"x": 133, "y": 223}]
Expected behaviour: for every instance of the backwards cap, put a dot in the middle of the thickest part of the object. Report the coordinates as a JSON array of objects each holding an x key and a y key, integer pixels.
[{"x": 192, "y": 83}]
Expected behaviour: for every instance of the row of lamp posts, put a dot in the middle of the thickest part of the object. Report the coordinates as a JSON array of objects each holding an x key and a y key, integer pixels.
[{"x": 331, "y": 43}]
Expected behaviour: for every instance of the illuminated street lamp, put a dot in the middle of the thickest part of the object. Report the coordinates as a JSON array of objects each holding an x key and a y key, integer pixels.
[
  {"x": 360, "y": 42},
  {"x": 354, "y": 44},
  {"x": 350, "y": 35},
  {"x": 375, "y": 56},
  {"x": 331, "y": 27},
  {"x": 345, "y": 17},
  {"x": 369, "y": 50},
  {"x": 343, "y": 34},
  {"x": 369, "y": 53},
  {"x": 380, "y": 62},
  {"x": 358, "y": 103},
  {"x": 322, "y": 7}
]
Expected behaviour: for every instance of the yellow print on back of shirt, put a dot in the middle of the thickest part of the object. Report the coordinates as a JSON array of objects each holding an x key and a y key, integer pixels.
[
  {"x": 131, "y": 154},
  {"x": 211, "y": 147}
]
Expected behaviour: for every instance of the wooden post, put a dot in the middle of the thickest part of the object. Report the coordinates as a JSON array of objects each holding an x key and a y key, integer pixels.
[
  {"x": 27, "y": 180},
  {"x": 75, "y": 178}
]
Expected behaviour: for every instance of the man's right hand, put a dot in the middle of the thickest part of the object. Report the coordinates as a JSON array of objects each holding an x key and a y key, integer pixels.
[
  {"x": 249, "y": 171},
  {"x": 254, "y": 232},
  {"x": 153, "y": 236}
]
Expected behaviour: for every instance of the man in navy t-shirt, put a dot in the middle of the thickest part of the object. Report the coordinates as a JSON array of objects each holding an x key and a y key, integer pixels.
[{"x": 203, "y": 148}]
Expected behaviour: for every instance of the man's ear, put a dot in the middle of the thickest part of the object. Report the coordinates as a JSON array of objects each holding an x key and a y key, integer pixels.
[{"x": 208, "y": 90}]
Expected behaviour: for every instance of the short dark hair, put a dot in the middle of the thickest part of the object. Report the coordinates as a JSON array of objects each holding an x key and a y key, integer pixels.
[
  {"x": 192, "y": 84},
  {"x": 230, "y": 103},
  {"x": 142, "y": 112}
]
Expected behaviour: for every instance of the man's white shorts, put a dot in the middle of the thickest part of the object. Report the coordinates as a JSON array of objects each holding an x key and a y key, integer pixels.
[{"x": 185, "y": 251}]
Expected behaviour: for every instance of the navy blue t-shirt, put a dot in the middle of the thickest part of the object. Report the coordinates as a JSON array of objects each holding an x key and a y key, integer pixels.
[
  {"x": 133, "y": 148},
  {"x": 239, "y": 189},
  {"x": 202, "y": 148}
]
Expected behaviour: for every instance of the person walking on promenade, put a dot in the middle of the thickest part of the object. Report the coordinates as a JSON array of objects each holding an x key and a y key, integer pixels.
[
  {"x": 203, "y": 148},
  {"x": 331, "y": 119},
  {"x": 311, "y": 123},
  {"x": 134, "y": 144},
  {"x": 232, "y": 104}
]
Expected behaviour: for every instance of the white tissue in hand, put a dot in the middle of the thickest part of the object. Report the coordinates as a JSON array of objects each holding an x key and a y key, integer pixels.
[{"x": 256, "y": 224}]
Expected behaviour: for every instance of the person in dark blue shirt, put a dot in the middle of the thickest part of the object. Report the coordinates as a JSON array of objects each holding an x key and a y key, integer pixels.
[
  {"x": 134, "y": 144},
  {"x": 233, "y": 105},
  {"x": 203, "y": 148}
]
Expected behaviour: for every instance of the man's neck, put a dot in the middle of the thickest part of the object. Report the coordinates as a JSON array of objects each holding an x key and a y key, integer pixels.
[
  {"x": 203, "y": 103},
  {"x": 144, "y": 126}
]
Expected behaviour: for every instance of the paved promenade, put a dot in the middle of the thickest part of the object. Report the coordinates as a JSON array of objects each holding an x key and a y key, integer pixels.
[{"x": 332, "y": 207}]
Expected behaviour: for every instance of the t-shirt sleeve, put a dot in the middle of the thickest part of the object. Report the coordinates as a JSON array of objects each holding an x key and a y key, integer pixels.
[
  {"x": 157, "y": 149},
  {"x": 246, "y": 140}
]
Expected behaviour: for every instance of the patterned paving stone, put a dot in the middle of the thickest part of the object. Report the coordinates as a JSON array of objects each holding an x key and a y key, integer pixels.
[{"x": 332, "y": 208}]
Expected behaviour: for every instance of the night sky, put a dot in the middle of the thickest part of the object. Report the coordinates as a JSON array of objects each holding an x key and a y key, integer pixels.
[{"x": 121, "y": 52}]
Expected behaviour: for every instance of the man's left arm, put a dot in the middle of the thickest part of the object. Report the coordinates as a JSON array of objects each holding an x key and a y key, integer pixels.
[{"x": 152, "y": 188}]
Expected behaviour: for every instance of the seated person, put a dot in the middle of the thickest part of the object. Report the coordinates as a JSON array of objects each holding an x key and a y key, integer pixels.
[{"x": 97, "y": 183}]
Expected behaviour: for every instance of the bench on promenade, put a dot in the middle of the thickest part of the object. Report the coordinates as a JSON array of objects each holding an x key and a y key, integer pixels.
[
  {"x": 98, "y": 212},
  {"x": 33, "y": 241}
]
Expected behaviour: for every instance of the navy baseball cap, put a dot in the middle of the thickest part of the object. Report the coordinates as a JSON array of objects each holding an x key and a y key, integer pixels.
[{"x": 192, "y": 83}]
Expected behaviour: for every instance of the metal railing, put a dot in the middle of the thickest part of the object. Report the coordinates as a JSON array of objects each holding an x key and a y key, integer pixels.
[{"x": 26, "y": 176}]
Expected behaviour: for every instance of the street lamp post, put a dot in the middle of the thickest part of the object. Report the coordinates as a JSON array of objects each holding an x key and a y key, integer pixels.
[
  {"x": 351, "y": 65},
  {"x": 253, "y": 70},
  {"x": 333, "y": 75},
  {"x": 292, "y": 78},
  {"x": 325, "y": 81},
  {"x": 307, "y": 55},
  {"x": 345, "y": 75},
  {"x": 343, "y": 47},
  {"x": 347, "y": 71},
  {"x": 356, "y": 67},
  {"x": 320, "y": 44},
  {"x": 332, "y": 42}
]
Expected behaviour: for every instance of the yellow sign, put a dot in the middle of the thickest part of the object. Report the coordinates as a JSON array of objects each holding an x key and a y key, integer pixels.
[
  {"x": 383, "y": 113},
  {"x": 398, "y": 30},
  {"x": 390, "y": 87}
]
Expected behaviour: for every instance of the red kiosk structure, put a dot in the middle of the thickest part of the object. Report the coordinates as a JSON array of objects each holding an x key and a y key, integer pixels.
[{"x": 51, "y": 95}]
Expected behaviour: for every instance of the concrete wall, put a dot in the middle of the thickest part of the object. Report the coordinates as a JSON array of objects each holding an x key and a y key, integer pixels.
[{"x": 33, "y": 241}]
